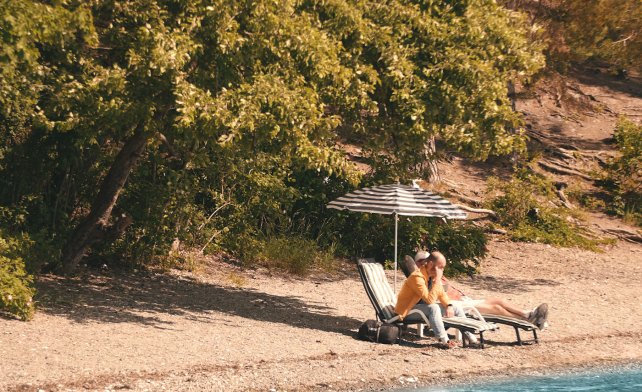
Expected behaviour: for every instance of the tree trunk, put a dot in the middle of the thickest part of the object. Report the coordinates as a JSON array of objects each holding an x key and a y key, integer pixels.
[
  {"x": 430, "y": 168},
  {"x": 512, "y": 95},
  {"x": 95, "y": 227}
]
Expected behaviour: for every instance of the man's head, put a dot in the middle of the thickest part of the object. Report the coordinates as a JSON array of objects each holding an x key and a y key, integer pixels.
[{"x": 436, "y": 262}]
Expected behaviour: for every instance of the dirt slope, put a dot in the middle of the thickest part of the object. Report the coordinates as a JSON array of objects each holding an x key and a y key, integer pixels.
[{"x": 570, "y": 123}]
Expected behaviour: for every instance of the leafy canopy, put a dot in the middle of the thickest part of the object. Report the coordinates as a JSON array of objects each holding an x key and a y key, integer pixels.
[{"x": 242, "y": 104}]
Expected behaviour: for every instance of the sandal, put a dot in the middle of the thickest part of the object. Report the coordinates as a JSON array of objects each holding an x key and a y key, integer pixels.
[{"x": 449, "y": 345}]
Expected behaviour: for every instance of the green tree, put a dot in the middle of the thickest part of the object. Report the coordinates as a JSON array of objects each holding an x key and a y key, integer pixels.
[
  {"x": 577, "y": 30},
  {"x": 605, "y": 29},
  {"x": 444, "y": 68},
  {"x": 145, "y": 120},
  {"x": 624, "y": 174}
]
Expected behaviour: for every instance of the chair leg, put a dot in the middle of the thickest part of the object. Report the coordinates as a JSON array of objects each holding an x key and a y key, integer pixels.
[
  {"x": 535, "y": 336},
  {"x": 519, "y": 338},
  {"x": 481, "y": 339},
  {"x": 420, "y": 330}
]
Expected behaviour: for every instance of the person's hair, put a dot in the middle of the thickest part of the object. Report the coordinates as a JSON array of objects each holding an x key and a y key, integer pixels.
[{"x": 420, "y": 255}]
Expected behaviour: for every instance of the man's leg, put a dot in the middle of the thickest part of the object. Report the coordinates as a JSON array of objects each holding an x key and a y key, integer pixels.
[
  {"x": 433, "y": 312},
  {"x": 459, "y": 312}
]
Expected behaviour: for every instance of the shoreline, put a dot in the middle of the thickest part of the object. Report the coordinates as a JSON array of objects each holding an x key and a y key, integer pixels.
[
  {"x": 186, "y": 378},
  {"x": 498, "y": 376},
  {"x": 493, "y": 377},
  {"x": 443, "y": 376}
]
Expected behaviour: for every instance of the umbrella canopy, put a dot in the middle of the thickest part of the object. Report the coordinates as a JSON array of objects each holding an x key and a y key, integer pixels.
[{"x": 397, "y": 199}]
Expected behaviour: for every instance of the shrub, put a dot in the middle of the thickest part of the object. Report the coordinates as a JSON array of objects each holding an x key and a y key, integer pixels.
[
  {"x": 371, "y": 235},
  {"x": 624, "y": 174},
  {"x": 463, "y": 244},
  {"x": 517, "y": 197},
  {"x": 16, "y": 285},
  {"x": 294, "y": 254},
  {"x": 524, "y": 206}
]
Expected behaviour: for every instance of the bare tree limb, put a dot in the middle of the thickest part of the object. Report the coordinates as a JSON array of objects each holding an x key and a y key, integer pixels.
[
  {"x": 168, "y": 145},
  {"x": 212, "y": 214},
  {"x": 210, "y": 240},
  {"x": 625, "y": 235},
  {"x": 478, "y": 210},
  {"x": 465, "y": 199},
  {"x": 562, "y": 170}
]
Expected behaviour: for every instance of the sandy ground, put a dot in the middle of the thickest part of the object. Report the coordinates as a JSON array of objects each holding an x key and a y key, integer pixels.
[{"x": 231, "y": 330}]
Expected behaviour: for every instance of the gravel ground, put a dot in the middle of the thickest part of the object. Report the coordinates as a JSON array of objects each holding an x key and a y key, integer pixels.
[{"x": 225, "y": 329}]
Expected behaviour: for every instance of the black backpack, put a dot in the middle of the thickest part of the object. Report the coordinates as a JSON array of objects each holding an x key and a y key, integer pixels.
[{"x": 376, "y": 331}]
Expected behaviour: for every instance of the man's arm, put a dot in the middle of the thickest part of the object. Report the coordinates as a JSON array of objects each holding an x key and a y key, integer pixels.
[
  {"x": 443, "y": 297},
  {"x": 420, "y": 287}
]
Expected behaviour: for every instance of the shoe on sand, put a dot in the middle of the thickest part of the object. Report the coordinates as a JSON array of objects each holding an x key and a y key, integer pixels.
[
  {"x": 539, "y": 315},
  {"x": 449, "y": 345}
]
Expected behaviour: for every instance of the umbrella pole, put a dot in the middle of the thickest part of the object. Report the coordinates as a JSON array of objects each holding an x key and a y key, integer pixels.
[{"x": 396, "y": 221}]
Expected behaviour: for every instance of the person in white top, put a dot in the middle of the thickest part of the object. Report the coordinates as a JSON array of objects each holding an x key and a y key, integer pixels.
[{"x": 495, "y": 306}]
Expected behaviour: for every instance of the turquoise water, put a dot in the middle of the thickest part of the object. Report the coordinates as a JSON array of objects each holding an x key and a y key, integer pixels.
[{"x": 625, "y": 379}]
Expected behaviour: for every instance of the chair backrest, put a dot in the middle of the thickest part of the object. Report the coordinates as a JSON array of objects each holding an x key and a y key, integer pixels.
[
  {"x": 407, "y": 265},
  {"x": 377, "y": 287}
]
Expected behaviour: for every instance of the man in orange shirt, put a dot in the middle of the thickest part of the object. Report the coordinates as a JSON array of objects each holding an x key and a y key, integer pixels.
[{"x": 424, "y": 283}]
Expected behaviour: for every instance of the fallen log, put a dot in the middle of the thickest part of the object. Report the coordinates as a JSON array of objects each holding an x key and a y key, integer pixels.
[
  {"x": 564, "y": 200},
  {"x": 465, "y": 199},
  {"x": 559, "y": 190},
  {"x": 478, "y": 210},
  {"x": 625, "y": 235}
]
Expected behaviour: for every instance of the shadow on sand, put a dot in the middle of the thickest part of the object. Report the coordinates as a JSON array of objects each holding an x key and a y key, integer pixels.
[
  {"x": 596, "y": 75},
  {"x": 146, "y": 299},
  {"x": 507, "y": 285}
]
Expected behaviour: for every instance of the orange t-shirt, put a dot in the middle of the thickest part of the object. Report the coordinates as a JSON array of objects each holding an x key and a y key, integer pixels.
[{"x": 415, "y": 288}]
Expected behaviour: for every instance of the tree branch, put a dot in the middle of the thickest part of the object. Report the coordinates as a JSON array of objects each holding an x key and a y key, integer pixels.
[
  {"x": 478, "y": 210},
  {"x": 565, "y": 171}
]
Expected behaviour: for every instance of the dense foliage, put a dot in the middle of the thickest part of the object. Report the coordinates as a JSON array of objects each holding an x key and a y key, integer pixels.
[
  {"x": 605, "y": 29},
  {"x": 524, "y": 205},
  {"x": 16, "y": 285},
  {"x": 129, "y": 125},
  {"x": 624, "y": 174},
  {"x": 463, "y": 244},
  {"x": 578, "y": 30},
  {"x": 295, "y": 254}
]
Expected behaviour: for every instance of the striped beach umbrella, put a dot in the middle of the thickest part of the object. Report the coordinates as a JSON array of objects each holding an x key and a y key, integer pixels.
[{"x": 397, "y": 199}]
